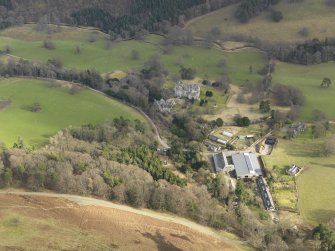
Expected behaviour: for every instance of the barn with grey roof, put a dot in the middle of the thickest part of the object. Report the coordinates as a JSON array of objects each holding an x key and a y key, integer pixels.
[{"x": 246, "y": 165}]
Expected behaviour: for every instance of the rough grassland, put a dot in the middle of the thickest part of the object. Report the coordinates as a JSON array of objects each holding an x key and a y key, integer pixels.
[
  {"x": 308, "y": 79},
  {"x": 59, "y": 224},
  {"x": 118, "y": 57},
  {"x": 28, "y": 33},
  {"x": 316, "y": 184},
  {"x": 60, "y": 109},
  {"x": 312, "y": 14}
]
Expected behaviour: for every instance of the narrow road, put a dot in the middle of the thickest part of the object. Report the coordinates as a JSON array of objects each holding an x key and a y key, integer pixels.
[
  {"x": 259, "y": 140},
  {"x": 87, "y": 201}
]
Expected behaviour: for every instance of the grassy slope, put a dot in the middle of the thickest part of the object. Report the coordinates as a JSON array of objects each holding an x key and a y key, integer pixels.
[
  {"x": 59, "y": 224},
  {"x": 92, "y": 55},
  {"x": 316, "y": 184},
  {"x": 313, "y": 14},
  {"x": 205, "y": 62},
  {"x": 238, "y": 64},
  {"x": 308, "y": 79},
  {"x": 27, "y": 43},
  {"x": 59, "y": 110},
  {"x": 17, "y": 230}
]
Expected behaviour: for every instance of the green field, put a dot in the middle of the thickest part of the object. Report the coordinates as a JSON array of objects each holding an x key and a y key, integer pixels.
[
  {"x": 316, "y": 187},
  {"x": 308, "y": 79},
  {"x": 205, "y": 62},
  {"x": 285, "y": 198},
  {"x": 92, "y": 55},
  {"x": 26, "y": 43},
  {"x": 60, "y": 109},
  {"x": 312, "y": 14}
]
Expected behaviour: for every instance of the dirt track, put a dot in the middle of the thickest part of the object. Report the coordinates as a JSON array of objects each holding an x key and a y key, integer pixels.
[{"x": 120, "y": 226}]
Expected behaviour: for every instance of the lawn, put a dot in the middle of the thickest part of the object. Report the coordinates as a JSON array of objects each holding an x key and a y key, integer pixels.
[
  {"x": 60, "y": 109},
  {"x": 214, "y": 104},
  {"x": 308, "y": 79},
  {"x": 312, "y": 14},
  {"x": 26, "y": 43},
  {"x": 316, "y": 187}
]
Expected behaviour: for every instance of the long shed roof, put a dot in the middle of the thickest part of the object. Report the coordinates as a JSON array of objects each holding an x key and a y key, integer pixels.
[{"x": 246, "y": 164}]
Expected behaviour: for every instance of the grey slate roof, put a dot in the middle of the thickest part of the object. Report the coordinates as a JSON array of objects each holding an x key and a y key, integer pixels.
[
  {"x": 265, "y": 193},
  {"x": 246, "y": 164},
  {"x": 219, "y": 162}
]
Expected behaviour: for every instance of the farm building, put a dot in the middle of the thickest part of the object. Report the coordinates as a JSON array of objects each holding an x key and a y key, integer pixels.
[
  {"x": 246, "y": 165},
  {"x": 227, "y": 134},
  {"x": 187, "y": 91},
  {"x": 217, "y": 139},
  {"x": 265, "y": 193},
  {"x": 213, "y": 138},
  {"x": 221, "y": 163},
  {"x": 294, "y": 170},
  {"x": 271, "y": 141},
  {"x": 212, "y": 147},
  {"x": 242, "y": 137},
  {"x": 222, "y": 141}
]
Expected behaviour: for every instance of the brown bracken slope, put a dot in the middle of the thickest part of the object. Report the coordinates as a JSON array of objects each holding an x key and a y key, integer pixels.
[{"x": 45, "y": 223}]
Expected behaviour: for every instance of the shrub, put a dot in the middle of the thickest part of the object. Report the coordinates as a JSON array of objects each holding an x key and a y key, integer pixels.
[
  {"x": 219, "y": 122},
  {"x": 36, "y": 107},
  {"x": 48, "y": 44},
  {"x": 77, "y": 49},
  {"x": 264, "y": 106},
  {"x": 304, "y": 32},
  {"x": 242, "y": 121},
  {"x": 57, "y": 62},
  {"x": 187, "y": 73},
  {"x": 209, "y": 94},
  {"x": 276, "y": 15},
  {"x": 135, "y": 54}
]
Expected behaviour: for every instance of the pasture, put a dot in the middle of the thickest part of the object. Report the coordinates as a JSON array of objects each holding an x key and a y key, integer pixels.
[
  {"x": 206, "y": 63},
  {"x": 308, "y": 79},
  {"x": 92, "y": 55},
  {"x": 316, "y": 183},
  {"x": 314, "y": 15},
  {"x": 107, "y": 57},
  {"x": 59, "y": 109}
]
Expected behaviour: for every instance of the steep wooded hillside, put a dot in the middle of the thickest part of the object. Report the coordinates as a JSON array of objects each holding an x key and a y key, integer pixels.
[{"x": 123, "y": 17}]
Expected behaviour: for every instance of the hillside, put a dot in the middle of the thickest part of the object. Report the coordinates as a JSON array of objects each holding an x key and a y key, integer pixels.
[
  {"x": 124, "y": 18},
  {"x": 308, "y": 79},
  {"x": 27, "y": 43},
  {"x": 59, "y": 108},
  {"x": 167, "y": 125},
  {"x": 302, "y": 20},
  {"x": 57, "y": 223}
]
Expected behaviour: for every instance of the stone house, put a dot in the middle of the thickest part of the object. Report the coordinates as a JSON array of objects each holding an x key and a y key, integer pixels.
[{"x": 191, "y": 91}]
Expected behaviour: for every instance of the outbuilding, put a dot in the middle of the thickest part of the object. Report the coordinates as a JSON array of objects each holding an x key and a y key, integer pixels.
[
  {"x": 227, "y": 134},
  {"x": 246, "y": 165}
]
